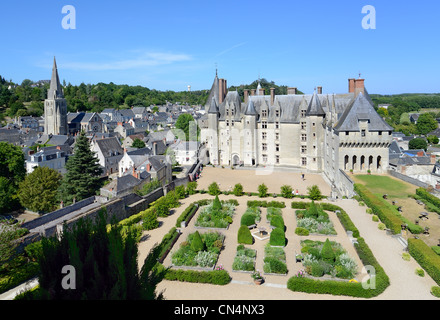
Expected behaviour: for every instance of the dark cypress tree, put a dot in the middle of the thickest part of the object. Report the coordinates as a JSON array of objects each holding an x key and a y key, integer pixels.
[{"x": 82, "y": 178}]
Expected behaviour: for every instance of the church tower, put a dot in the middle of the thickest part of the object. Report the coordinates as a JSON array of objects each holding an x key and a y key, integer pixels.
[{"x": 55, "y": 107}]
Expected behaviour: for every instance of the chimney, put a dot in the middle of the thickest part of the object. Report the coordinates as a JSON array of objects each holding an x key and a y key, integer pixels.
[
  {"x": 220, "y": 91},
  {"x": 272, "y": 95},
  {"x": 291, "y": 90},
  {"x": 253, "y": 92},
  {"x": 58, "y": 147},
  {"x": 351, "y": 85},
  {"x": 31, "y": 152},
  {"x": 119, "y": 123},
  {"x": 433, "y": 159},
  {"x": 261, "y": 93},
  {"x": 359, "y": 86},
  {"x": 148, "y": 167},
  {"x": 319, "y": 90},
  {"x": 246, "y": 96}
]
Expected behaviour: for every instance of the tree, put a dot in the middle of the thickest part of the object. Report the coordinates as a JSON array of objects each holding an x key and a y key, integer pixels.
[
  {"x": 216, "y": 204},
  {"x": 262, "y": 190},
  {"x": 286, "y": 191},
  {"x": 214, "y": 189},
  {"x": 138, "y": 143},
  {"x": 105, "y": 264},
  {"x": 39, "y": 190},
  {"x": 238, "y": 190},
  {"x": 327, "y": 252},
  {"x": 191, "y": 187},
  {"x": 82, "y": 178},
  {"x": 433, "y": 139},
  {"x": 244, "y": 235},
  {"x": 150, "y": 221},
  {"x": 426, "y": 123},
  {"x": 418, "y": 143},
  {"x": 197, "y": 242},
  {"x": 314, "y": 192},
  {"x": 180, "y": 192},
  {"x": 186, "y": 123},
  {"x": 12, "y": 172}
]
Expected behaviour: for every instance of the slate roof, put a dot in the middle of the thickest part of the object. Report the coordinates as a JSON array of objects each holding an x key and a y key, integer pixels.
[
  {"x": 109, "y": 146},
  {"x": 361, "y": 109}
]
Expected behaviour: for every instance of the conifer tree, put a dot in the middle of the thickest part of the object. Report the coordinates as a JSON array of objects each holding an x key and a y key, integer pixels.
[{"x": 82, "y": 178}]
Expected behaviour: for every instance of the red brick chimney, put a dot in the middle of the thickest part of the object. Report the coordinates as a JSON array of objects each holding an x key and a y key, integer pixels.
[
  {"x": 433, "y": 159},
  {"x": 246, "y": 96},
  {"x": 148, "y": 167},
  {"x": 351, "y": 85},
  {"x": 272, "y": 96},
  {"x": 356, "y": 86}
]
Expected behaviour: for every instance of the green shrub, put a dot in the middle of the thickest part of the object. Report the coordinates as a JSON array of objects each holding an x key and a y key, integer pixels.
[
  {"x": 273, "y": 265},
  {"x": 191, "y": 188},
  {"x": 262, "y": 190},
  {"x": 238, "y": 190},
  {"x": 426, "y": 195},
  {"x": 277, "y": 221},
  {"x": 375, "y": 218},
  {"x": 247, "y": 219},
  {"x": 180, "y": 192},
  {"x": 369, "y": 211},
  {"x": 197, "y": 242},
  {"x": 277, "y": 237},
  {"x": 286, "y": 191},
  {"x": 327, "y": 252},
  {"x": 436, "y": 249},
  {"x": 420, "y": 272},
  {"x": 244, "y": 235},
  {"x": 214, "y": 189},
  {"x": 426, "y": 257},
  {"x": 406, "y": 256},
  {"x": 381, "y": 226},
  {"x": 218, "y": 277},
  {"x": 150, "y": 221},
  {"x": 314, "y": 192},
  {"x": 216, "y": 205},
  {"x": 301, "y": 231},
  {"x": 435, "y": 291},
  {"x": 186, "y": 214}
]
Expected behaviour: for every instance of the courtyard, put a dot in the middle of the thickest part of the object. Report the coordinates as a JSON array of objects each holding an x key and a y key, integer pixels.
[{"x": 387, "y": 250}]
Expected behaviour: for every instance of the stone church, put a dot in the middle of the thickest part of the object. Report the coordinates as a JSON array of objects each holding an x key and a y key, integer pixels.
[
  {"x": 333, "y": 134},
  {"x": 55, "y": 107}
]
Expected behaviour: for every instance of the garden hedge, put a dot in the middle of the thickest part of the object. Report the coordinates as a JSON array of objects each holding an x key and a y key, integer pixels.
[
  {"x": 386, "y": 215},
  {"x": 219, "y": 277},
  {"x": 426, "y": 258},
  {"x": 265, "y": 204},
  {"x": 244, "y": 235},
  {"x": 277, "y": 237},
  {"x": 421, "y": 192},
  {"x": 187, "y": 214}
]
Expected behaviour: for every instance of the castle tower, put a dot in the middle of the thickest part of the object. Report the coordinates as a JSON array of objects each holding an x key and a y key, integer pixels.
[
  {"x": 250, "y": 157},
  {"x": 55, "y": 107},
  {"x": 212, "y": 136},
  {"x": 315, "y": 116}
]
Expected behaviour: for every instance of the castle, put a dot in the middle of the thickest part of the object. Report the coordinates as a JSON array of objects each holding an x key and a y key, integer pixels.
[{"x": 321, "y": 133}]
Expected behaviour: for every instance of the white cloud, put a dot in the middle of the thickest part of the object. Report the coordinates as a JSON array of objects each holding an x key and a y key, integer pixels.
[{"x": 146, "y": 59}]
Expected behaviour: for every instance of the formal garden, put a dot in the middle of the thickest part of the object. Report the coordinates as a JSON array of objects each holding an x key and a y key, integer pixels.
[{"x": 314, "y": 220}]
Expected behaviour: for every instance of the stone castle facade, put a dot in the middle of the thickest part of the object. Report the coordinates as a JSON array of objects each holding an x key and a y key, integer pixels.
[{"x": 322, "y": 133}]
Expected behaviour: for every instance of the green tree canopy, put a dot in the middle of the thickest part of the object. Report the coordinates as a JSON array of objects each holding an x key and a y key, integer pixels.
[
  {"x": 426, "y": 123},
  {"x": 138, "y": 143},
  {"x": 418, "y": 143},
  {"x": 39, "y": 190},
  {"x": 82, "y": 178},
  {"x": 187, "y": 124}
]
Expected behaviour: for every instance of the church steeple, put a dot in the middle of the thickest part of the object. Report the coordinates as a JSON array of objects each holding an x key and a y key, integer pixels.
[{"x": 55, "y": 90}]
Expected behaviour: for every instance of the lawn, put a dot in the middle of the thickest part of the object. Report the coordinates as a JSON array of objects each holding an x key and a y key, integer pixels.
[{"x": 381, "y": 185}]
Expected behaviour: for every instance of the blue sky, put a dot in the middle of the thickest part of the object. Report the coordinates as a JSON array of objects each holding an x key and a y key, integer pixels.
[{"x": 168, "y": 45}]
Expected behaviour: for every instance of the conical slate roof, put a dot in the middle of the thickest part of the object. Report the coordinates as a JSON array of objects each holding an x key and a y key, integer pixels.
[
  {"x": 213, "y": 106},
  {"x": 55, "y": 89},
  {"x": 250, "y": 110},
  {"x": 315, "y": 108}
]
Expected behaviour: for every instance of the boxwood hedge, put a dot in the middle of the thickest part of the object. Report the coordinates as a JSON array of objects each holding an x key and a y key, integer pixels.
[{"x": 426, "y": 258}]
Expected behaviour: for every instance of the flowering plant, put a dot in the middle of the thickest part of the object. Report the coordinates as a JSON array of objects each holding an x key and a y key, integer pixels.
[
  {"x": 219, "y": 267},
  {"x": 300, "y": 274},
  {"x": 256, "y": 275}
]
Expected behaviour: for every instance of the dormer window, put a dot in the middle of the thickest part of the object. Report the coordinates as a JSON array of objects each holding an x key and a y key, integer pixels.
[
  {"x": 264, "y": 113},
  {"x": 363, "y": 133}
]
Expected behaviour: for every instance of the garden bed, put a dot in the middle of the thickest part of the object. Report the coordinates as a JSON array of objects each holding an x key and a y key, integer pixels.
[
  {"x": 315, "y": 220},
  {"x": 327, "y": 258},
  {"x": 244, "y": 260},
  {"x": 200, "y": 251},
  {"x": 274, "y": 261},
  {"x": 216, "y": 215}
]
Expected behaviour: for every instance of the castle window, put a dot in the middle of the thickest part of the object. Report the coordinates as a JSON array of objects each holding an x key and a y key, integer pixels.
[
  {"x": 304, "y": 161},
  {"x": 277, "y": 125},
  {"x": 303, "y": 149},
  {"x": 303, "y": 137},
  {"x": 264, "y": 145},
  {"x": 264, "y": 157},
  {"x": 277, "y": 159},
  {"x": 380, "y": 133},
  {"x": 277, "y": 136},
  {"x": 303, "y": 113},
  {"x": 303, "y": 125},
  {"x": 277, "y": 113},
  {"x": 264, "y": 113},
  {"x": 347, "y": 133},
  {"x": 263, "y": 135},
  {"x": 264, "y": 124},
  {"x": 277, "y": 147},
  {"x": 363, "y": 133}
]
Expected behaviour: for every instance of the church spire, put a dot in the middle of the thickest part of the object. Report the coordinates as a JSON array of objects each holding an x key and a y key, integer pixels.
[{"x": 55, "y": 90}]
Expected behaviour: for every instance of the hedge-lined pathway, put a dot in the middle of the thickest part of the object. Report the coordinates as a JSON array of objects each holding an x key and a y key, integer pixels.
[{"x": 404, "y": 283}]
